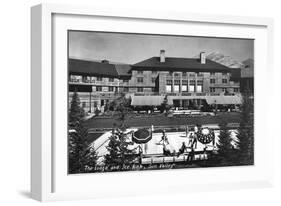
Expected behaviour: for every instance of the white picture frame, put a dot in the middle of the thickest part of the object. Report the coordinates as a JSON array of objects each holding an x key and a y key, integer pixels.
[{"x": 48, "y": 178}]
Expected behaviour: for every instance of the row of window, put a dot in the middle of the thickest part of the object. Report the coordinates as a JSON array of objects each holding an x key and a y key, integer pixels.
[
  {"x": 213, "y": 81},
  {"x": 140, "y": 79},
  {"x": 76, "y": 78},
  {"x": 184, "y": 88},
  {"x": 193, "y": 88},
  {"x": 87, "y": 79},
  {"x": 139, "y": 89},
  {"x": 125, "y": 80},
  {"x": 213, "y": 89},
  {"x": 125, "y": 89},
  {"x": 185, "y": 82},
  {"x": 184, "y": 73},
  {"x": 100, "y": 89},
  {"x": 100, "y": 79},
  {"x": 169, "y": 88},
  {"x": 112, "y": 79}
]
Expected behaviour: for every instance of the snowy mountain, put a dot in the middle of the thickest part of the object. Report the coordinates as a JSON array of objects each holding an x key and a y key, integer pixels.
[
  {"x": 224, "y": 60},
  {"x": 248, "y": 63}
]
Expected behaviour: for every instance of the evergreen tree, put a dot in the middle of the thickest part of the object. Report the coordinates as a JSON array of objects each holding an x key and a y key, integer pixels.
[
  {"x": 76, "y": 113},
  {"x": 122, "y": 110},
  {"x": 165, "y": 106},
  {"x": 226, "y": 153},
  {"x": 81, "y": 157},
  {"x": 119, "y": 153},
  {"x": 245, "y": 134}
]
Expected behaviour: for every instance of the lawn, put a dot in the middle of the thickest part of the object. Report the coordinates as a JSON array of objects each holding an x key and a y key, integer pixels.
[{"x": 162, "y": 120}]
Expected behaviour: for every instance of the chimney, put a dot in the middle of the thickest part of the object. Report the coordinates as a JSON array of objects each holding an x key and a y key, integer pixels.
[
  {"x": 162, "y": 56},
  {"x": 202, "y": 58},
  {"x": 104, "y": 61}
]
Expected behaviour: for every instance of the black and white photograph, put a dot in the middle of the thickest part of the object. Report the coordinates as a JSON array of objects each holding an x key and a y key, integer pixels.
[{"x": 158, "y": 102}]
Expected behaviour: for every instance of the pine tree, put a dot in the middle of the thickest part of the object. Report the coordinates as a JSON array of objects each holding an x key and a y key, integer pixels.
[
  {"x": 122, "y": 110},
  {"x": 82, "y": 158},
  {"x": 119, "y": 153},
  {"x": 165, "y": 106},
  {"x": 245, "y": 134},
  {"x": 226, "y": 152},
  {"x": 76, "y": 113}
]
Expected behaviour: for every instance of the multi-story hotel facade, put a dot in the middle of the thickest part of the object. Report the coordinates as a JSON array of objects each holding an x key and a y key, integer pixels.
[
  {"x": 97, "y": 83},
  {"x": 185, "y": 82}
]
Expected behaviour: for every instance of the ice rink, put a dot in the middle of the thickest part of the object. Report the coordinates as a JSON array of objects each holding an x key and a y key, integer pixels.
[{"x": 155, "y": 146}]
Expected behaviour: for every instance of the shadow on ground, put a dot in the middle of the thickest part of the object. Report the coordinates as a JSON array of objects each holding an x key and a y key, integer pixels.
[{"x": 25, "y": 193}]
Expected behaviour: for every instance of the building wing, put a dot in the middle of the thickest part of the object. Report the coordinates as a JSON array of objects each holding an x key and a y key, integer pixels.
[{"x": 92, "y": 68}]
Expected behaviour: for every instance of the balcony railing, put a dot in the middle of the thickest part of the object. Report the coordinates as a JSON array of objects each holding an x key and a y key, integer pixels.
[
  {"x": 185, "y": 94},
  {"x": 81, "y": 81},
  {"x": 200, "y": 94},
  {"x": 88, "y": 81},
  {"x": 74, "y": 80},
  {"x": 147, "y": 94},
  {"x": 93, "y": 82}
]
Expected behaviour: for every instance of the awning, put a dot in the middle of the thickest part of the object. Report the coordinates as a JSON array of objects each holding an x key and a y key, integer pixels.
[
  {"x": 224, "y": 99},
  {"x": 171, "y": 98},
  {"x": 158, "y": 100},
  {"x": 147, "y": 100}
]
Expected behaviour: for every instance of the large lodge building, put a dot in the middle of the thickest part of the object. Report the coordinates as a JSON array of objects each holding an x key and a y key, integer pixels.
[{"x": 185, "y": 82}]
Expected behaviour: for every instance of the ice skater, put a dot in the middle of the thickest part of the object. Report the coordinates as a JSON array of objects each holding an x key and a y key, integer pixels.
[
  {"x": 191, "y": 136},
  {"x": 182, "y": 149},
  {"x": 192, "y": 141},
  {"x": 191, "y": 155},
  {"x": 166, "y": 150},
  {"x": 164, "y": 138}
]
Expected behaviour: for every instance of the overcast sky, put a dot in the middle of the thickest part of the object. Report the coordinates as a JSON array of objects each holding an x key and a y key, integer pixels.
[{"x": 133, "y": 48}]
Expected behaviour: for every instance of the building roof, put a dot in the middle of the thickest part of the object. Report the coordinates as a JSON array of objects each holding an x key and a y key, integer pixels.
[
  {"x": 123, "y": 70},
  {"x": 180, "y": 64},
  {"x": 93, "y": 68}
]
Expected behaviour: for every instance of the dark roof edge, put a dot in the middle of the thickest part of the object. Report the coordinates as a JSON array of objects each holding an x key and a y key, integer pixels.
[
  {"x": 180, "y": 69},
  {"x": 93, "y": 74}
]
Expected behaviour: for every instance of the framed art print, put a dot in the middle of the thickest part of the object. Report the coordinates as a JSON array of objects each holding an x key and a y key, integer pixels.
[{"x": 148, "y": 101}]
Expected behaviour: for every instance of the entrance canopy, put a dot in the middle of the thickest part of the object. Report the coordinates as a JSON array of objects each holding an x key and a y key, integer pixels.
[
  {"x": 158, "y": 100},
  {"x": 147, "y": 100},
  {"x": 171, "y": 98},
  {"x": 224, "y": 99}
]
